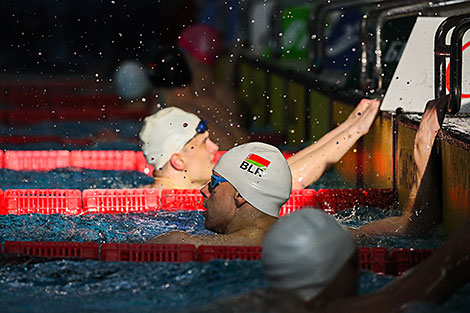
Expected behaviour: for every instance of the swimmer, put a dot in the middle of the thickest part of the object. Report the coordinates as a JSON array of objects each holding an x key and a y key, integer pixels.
[
  {"x": 420, "y": 214},
  {"x": 312, "y": 265},
  {"x": 183, "y": 77},
  {"x": 196, "y": 93},
  {"x": 307, "y": 165},
  {"x": 177, "y": 144},
  {"x": 422, "y": 210},
  {"x": 248, "y": 186}
]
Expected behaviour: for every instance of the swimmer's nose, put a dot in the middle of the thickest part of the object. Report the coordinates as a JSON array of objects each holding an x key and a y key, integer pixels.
[
  {"x": 212, "y": 146},
  {"x": 205, "y": 191}
]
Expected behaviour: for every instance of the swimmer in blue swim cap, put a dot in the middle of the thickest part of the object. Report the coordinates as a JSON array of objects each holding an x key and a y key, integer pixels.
[{"x": 248, "y": 186}]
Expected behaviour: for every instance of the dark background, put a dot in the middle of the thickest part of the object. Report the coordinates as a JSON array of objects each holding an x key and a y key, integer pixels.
[{"x": 86, "y": 36}]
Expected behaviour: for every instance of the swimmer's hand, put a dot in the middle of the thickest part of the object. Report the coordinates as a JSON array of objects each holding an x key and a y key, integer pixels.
[
  {"x": 363, "y": 105},
  {"x": 428, "y": 128}
]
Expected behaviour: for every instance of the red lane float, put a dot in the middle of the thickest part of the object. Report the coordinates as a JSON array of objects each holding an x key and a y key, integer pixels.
[
  {"x": 43, "y": 201},
  {"x": 36, "y": 160},
  {"x": 300, "y": 199},
  {"x": 49, "y": 249},
  {"x": 91, "y": 159},
  {"x": 148, "y": 252},
  {"x": 104, "y": 159},
  {"x": 181, "y": 200},
  {"x": 120, "y": 200},
  {"x": 405, "y": 259},
  {"x": 374, "y": 259},
  {"x": 336, "y": 200},
  {"x": 69, "y": 201},
  {"x": 209, "y": 253}
]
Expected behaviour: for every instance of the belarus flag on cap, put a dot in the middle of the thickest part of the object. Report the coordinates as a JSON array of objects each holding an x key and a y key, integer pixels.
[{"x": 258, "y": 161}]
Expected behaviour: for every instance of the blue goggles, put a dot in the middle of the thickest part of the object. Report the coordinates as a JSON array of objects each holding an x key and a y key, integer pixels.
[
  {"x": 215, "y": 181},
  {"x": 202, "y": 127}
]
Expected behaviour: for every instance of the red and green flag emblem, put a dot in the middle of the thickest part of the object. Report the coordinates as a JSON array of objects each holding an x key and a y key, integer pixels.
[{"x": 258, "y": 161}]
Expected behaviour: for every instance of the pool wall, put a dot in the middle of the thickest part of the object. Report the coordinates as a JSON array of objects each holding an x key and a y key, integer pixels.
[
  {"x": 456, "y": 180},
  {"x": 295, "y": 102}
]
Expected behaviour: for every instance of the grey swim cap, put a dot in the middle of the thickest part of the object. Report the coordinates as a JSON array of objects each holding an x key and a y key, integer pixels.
[
  {"x": 131, "y": 80},
  {"x": 304, "y": 251},
  {"x": 260, "y": 174}
]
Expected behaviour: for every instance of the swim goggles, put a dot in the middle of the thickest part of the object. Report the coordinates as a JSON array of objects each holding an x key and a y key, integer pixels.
[
  {"x": 215, "y": 181},
  {"x": 202, "y": 127}
]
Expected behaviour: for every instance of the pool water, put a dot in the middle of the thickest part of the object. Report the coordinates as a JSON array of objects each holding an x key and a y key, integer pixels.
[
  {"x": 133, "y": 227},
  {"x": 139, "y": 227},
  {"x": 123, "y": 135},
  {"x": 122, "y": 286},
  {"x": 72, "y": 179},
  {"x": 85, "y": 179},
  {"x": 142, "y": 287},
  {"x": 74, "y": 129}
]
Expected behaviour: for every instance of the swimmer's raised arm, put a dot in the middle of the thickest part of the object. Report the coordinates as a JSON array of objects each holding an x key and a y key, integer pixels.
[
  {"x": 308, "y": 165},
  {"x": 423, "y": 209},
  {"x": 355, "y": 116}
]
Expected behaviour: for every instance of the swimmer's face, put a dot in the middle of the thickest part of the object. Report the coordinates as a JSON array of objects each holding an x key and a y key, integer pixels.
[
  {"x": 220, "y": 205},
  {"x": 199, "y": 153}
]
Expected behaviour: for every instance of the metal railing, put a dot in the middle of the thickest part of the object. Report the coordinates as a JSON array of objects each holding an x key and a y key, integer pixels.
[
  {"x": 317, "y": 26},
  {"x": 442, "y": 51},
  {"x": 456, "y": 65},
  {"x": 441, "y": 8}
]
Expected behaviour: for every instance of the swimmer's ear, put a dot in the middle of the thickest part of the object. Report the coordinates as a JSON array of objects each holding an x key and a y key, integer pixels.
[
  {"x": 239, "y": 200},
  {"x": 177, "y": 162}
]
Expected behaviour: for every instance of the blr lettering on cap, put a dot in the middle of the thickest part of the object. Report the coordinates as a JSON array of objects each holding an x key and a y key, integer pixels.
[{"x": 255, "y": 164}]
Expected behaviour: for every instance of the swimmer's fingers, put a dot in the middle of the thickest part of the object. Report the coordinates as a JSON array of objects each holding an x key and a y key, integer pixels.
[
  {"x": 438, "y": 105},
  {"x": 363, "y": 106},
  {"x": 368, "y": 116},
  {"x": 433, "y": 115}
]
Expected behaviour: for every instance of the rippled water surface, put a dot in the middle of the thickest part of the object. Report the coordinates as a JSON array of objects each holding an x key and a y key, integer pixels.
[{"x": 93, "y": 286}]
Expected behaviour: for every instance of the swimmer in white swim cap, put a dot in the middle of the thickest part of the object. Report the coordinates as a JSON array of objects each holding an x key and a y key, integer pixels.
[
  {"x": 248, "y": 186},
  {"x": 308, "y": 164},
  {"x": 177, "y": 144}
]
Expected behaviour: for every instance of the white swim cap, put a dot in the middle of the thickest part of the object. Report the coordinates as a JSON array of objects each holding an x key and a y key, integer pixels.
[
  {"x": 166, "y": 132},
  {"x": 260, "y": 174},
  {"x": 304, "y": 251},
  {"x": 131, "y": 81}
]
